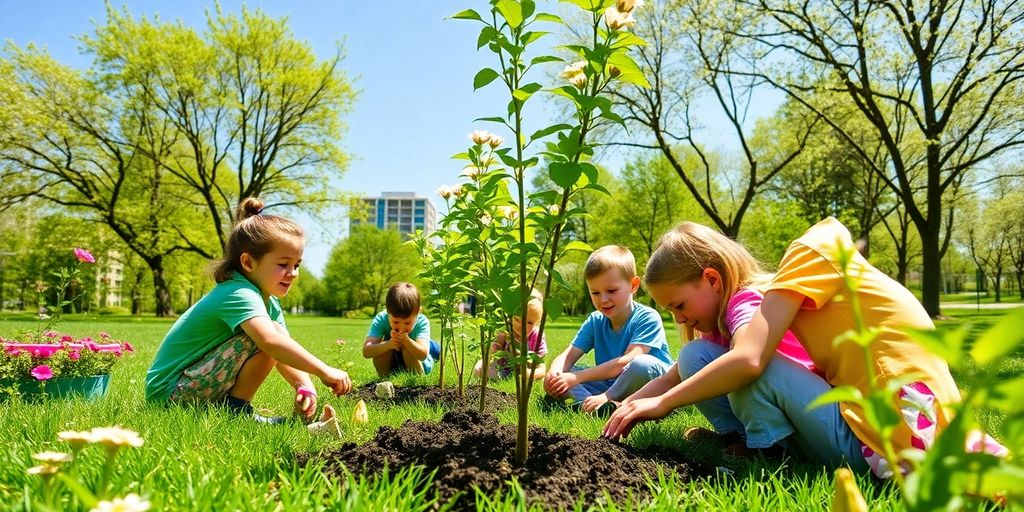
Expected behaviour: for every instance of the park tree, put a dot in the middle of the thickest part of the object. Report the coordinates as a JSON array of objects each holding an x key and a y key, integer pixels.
[
  {"x": 644, "y": 201},
  {"x": 170, "y": 129},
  {"x": 255, "y": 112},
  {"x": 362, "y": 267},
  {"x": 940, "y": 83},
  {"x": 80, "y": 149},
  {"x": 691, "y": 63}
]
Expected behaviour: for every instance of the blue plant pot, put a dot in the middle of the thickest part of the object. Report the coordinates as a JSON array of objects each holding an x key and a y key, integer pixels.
[{"x": 90, "y": 388}]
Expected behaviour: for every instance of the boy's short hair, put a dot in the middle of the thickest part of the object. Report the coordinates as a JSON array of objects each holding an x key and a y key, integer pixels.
[
  {"x": 610, "y": 257},
  {"x": 402, "y": 300}
]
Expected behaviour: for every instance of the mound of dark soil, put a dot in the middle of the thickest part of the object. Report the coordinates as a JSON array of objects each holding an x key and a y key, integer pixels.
[
  {"x": 472, "y": 450},
  {"x": 448, "y": 397}
]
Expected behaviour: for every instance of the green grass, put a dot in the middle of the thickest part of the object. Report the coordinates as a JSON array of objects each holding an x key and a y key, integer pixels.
[{"x": 207, "y": 460}]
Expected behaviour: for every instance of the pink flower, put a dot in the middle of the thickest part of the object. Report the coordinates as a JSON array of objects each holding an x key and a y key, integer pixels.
[
  {"x": 84, "y": 256},
  {"x": 42, "y": 372},
  {"x": 128, "y": 347},
  {"x": 74, "y": 355},
  {"x": 50, "y": 334},
  {"x": 104, "y": 335},
  {"x": 66, "y": 339}
]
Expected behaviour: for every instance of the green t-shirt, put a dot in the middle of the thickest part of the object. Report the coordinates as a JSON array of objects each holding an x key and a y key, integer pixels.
[{"x": 213, "y": 320}]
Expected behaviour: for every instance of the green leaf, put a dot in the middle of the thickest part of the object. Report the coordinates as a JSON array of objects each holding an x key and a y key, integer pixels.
[
  {"x": 468, "y": 14},
  {"x": 487, "y": 35},
  {"x": 1001, "y": 339},
  {"x": 545, "y": 58},
  {"x": 839, "y": 394},
  {"x": 530, "y": 37},
  {"x": 512, "y": 11},
  {"x": 551, "y": 18},
  {"x": 553, "y": 307},
  {"x": 629, "y": 71},
  {"x": 946, "y": 344},
  {"x": 577, "y": 245},
  {"x": 491, "y": 119},
  {"x": 484, "y": 77},
  {"x": 544, "y": 132},
  {"x": 565, "y": 174},
  {"x": 523, "y": 93},
  {"x": 87, "y": 497},
  {"x": 587, "y": 5}
]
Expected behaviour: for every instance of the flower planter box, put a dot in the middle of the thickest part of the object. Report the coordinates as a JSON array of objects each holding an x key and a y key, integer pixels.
[{"x": 90, "y": 388}]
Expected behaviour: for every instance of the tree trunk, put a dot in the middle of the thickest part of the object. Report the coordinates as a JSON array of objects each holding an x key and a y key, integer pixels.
[
  {"x": 931, "y": 274},
  {"x": 162, "y": 293}
]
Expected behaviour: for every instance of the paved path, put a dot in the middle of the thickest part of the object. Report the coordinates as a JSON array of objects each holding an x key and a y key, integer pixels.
[{"x": 971, "y": 305}]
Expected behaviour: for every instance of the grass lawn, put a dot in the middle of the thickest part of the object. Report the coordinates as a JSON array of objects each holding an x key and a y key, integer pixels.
[{"x": 210, "y": 461}]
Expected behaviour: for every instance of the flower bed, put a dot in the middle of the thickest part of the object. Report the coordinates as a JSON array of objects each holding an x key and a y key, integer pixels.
[{"x": 58, "y": 364}]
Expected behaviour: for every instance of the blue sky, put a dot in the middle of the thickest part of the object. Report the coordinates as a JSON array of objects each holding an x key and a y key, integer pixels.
[{"x": 414, "y": 70}]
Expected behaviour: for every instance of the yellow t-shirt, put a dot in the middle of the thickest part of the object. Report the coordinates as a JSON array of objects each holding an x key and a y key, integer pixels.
[{"x": 811, "y": 268}]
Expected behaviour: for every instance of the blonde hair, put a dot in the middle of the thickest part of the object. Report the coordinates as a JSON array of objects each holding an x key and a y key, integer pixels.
[
  {"x": 683, "y": 253},
  {"x": 536, "y": 302},
  {"x": 254, "y": 233},
  {"x": 610, "y": 257}
]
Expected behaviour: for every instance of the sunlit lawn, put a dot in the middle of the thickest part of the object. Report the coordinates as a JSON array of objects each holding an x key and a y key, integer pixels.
[{"x": 209, "y": 461}]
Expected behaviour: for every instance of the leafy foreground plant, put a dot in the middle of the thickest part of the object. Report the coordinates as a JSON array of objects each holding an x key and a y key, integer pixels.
[
  {"x": 513, "y": 240},
  {"x": 962, "y": 464}
]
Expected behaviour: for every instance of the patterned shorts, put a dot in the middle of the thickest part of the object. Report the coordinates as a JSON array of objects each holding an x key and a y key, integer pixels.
[{"x": 209, "y": 379}]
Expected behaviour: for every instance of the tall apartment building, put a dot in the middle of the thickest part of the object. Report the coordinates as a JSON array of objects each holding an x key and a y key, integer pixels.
[{"x": 401, "y": 211}]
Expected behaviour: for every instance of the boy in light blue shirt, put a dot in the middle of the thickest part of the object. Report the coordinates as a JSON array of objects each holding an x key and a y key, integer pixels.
[
  {"x": 399, "y": 337},
  {"x": 628, "y": 339}
]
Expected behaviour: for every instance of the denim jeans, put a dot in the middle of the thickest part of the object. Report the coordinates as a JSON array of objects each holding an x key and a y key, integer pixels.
[
  {"x": 773, "y": 409},
  {"x": 641, "y": 370}
]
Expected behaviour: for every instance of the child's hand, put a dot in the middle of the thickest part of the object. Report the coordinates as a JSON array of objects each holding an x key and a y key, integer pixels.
[
  {"x": 337, "y": 380},
  {"x": 628, "y": 415},
  {"x": 561, "y": 384},
  {"x": 549, "y": 380},
  {"x": 305, "y": 402},
  {"x": 593, "y": 402}
]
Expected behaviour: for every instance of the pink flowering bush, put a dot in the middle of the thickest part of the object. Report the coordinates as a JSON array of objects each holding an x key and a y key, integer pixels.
[{"x": 53, "y": 355}]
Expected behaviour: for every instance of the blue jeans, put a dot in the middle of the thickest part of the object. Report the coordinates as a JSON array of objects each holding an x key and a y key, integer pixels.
[
  {"x": 641, "y": 370},
  {"x": 433, "y": 353},
  {"x": 773, "y": 409}
]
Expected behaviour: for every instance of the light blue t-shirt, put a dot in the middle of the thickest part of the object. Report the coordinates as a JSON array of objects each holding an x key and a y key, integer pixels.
[
  {"x": 381, "y": 327},
  {"x": 213, "y": 320},
  {"x": 643, "y": 327}
]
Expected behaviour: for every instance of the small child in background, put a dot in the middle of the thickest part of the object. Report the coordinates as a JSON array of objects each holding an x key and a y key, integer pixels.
[
  {"x": 628, "y": 339},
  {"x": 500, "y": 368},
  {"x": 399, "y": 337},
  {"x": 222, "y": 349}
]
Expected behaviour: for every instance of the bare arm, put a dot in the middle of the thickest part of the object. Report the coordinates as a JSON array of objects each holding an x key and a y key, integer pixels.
[
  {"x": 753, "y": 348},
  {"x": 375, "y": 347},
  {"x": 658, "y": 386},
  {"x": 612, "y": 368},
  {"x": 283, "y": 349}
]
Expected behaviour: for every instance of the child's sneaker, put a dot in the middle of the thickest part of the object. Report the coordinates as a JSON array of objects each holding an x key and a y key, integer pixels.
[
  {"x": 704, "y": 435},
  {"x": 742, "y": 451},
  {"x": 243, "y": 407},
  {"x": 606, "y": 409}
]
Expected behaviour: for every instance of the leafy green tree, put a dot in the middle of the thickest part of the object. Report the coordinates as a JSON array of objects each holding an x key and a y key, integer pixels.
[
  {"x": 362, "y": 267},
  {"x": 938, "y": 82},
  {"x": 256, "y": 112},
  {"x": 643, "y": 202}
]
